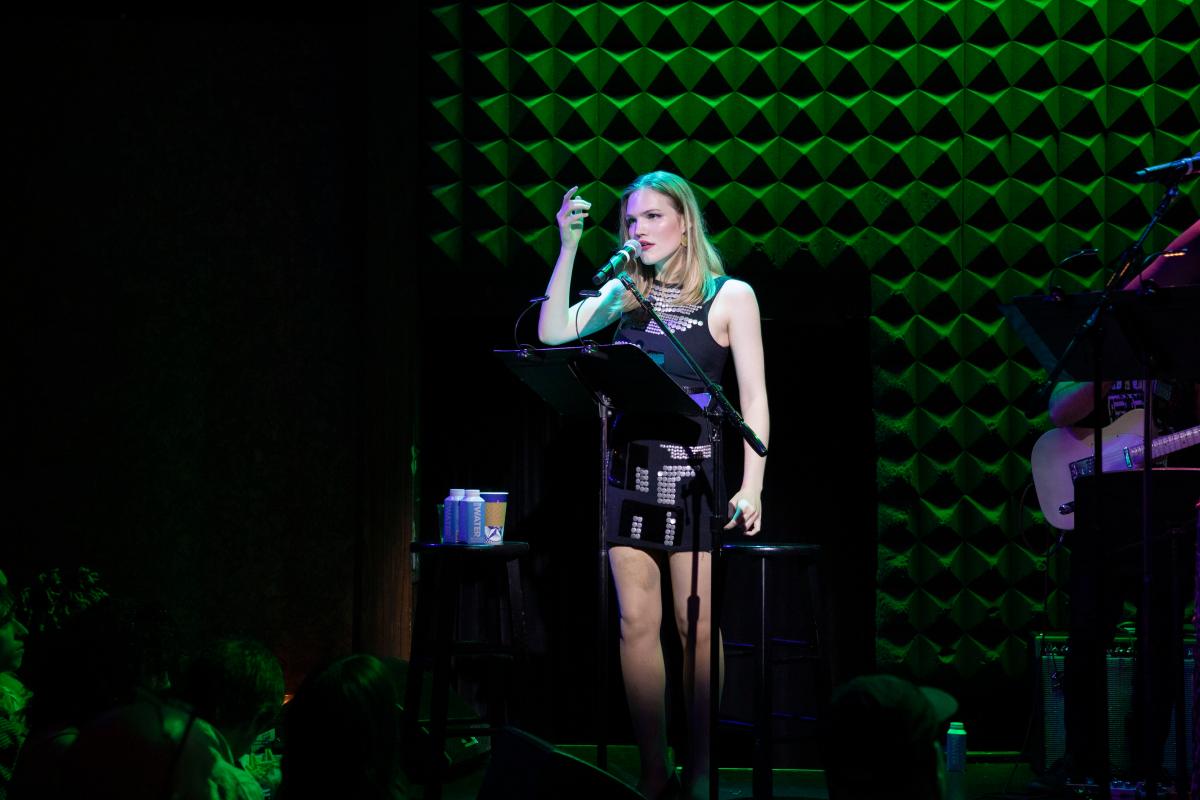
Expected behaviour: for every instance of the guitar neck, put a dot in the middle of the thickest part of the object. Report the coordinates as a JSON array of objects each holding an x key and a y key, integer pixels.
[{"x": 1165, "y": 445}]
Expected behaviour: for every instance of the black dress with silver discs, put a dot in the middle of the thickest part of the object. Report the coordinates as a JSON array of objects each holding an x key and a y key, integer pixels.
[{"x": 660, "y": 492}]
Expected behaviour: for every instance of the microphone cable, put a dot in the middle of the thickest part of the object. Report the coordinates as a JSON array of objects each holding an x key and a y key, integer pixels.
[
  {"x": 584, "y": 293},
  {"x": 533, "y": 302}
]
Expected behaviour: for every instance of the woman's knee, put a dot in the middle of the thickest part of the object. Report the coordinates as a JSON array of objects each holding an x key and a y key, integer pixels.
[{"x": 639, "y": 624}]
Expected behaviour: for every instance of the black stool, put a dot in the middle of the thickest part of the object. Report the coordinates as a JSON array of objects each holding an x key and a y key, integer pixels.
[
  {"x": 443, "y": 570},
  {"x": 769, "y": 650}
]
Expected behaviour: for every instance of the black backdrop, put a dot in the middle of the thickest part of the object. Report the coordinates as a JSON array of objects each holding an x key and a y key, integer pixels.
[
  {"x": 241, "y": 376},
  {"x": 186, "y": 308}
]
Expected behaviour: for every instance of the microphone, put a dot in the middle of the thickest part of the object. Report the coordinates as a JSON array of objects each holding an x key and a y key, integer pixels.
[
  {"x": 1170, "y": 172},
  {"x": 630, "y": 250}
]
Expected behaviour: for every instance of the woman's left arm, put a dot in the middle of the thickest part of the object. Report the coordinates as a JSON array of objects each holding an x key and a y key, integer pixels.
[{"x": 745, "y": 340}]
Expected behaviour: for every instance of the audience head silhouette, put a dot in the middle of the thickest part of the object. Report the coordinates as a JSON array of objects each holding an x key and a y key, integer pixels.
[
  {"x": 342, "y": 733},
  {"x": 882, "y": 740},
  {"x": 237, "y": 685}
]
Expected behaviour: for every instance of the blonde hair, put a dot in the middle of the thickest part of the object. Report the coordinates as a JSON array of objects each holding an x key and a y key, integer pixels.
[{"x": 701, "y": 261}]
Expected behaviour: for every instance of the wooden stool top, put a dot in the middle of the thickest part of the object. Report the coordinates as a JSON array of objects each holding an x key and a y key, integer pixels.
[
  {"x": 502, "y": 550},
  {"x": 770, "y": 549}
]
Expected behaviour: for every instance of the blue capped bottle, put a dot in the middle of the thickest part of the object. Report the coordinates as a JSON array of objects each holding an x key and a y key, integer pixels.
[
  {"x": 450, "y": 516},
  {"x": 956, "y": 748}
]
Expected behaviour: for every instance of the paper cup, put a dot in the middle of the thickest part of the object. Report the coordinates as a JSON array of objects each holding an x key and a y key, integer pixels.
[{"x": 494, "y": 506}]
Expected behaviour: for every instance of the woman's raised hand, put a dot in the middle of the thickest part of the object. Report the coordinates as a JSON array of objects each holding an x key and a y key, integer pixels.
[{"x": 570, "y": 218}]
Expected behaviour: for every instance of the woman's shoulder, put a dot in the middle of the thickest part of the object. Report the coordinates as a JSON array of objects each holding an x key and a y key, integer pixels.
[
  {"x": 735, "y": 300},
  {"x": 731, "y": 291},
  {"x": 729, "y": 284}
]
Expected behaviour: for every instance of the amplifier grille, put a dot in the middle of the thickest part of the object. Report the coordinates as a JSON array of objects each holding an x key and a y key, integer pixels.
[{"x": 1050, "y": 651}]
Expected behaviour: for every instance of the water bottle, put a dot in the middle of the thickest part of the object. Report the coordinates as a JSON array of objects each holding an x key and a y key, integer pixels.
[
  {"x": 956, "y": 748},
  {"x": 450, "y": 516},
  {"x": 470, "y": 519}
]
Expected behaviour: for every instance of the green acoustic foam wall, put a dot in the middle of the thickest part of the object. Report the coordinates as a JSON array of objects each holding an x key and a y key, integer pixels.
[{"x": 957, "y": 150}]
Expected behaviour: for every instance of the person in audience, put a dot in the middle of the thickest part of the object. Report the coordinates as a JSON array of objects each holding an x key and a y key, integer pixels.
[
  {"x": 99, "y": 660},
  {"x": 149, "y": 748},
  {"x": 341, "y": 733},
  {"x": 14, "y": 697},
  {"x": 236, "y": 685},
  {"x": 882, "y": 739},
  {"x": 45, "y": 606}
]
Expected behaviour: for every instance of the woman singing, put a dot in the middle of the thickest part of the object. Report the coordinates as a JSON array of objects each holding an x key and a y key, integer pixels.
[{"x": 660, "y": 496}]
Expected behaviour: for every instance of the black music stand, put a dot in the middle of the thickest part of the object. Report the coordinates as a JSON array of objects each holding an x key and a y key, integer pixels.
[
  {"x": 579, "y": 381},
  {"x": 1156, "y": 323},
  {"x": 1106, "y": 338}
]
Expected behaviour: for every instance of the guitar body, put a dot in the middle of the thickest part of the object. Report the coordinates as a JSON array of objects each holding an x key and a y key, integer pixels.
[{"x": 1056, "y": 450}]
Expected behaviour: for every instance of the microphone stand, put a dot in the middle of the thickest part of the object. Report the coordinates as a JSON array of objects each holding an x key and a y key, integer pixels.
[
  {"x": 719, "y": 411},
  {"x": 1144, "y": 615}
]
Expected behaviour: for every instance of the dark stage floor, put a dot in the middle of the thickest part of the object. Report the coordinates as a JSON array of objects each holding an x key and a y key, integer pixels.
[{"x": 984, "y": 780}]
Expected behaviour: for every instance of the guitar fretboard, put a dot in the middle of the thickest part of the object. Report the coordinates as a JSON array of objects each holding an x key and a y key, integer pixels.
[{"x": 1165, "y": 445}]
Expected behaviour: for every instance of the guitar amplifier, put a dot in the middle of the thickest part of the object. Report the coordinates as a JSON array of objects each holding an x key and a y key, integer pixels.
[{"x": 1050, "y": 655}]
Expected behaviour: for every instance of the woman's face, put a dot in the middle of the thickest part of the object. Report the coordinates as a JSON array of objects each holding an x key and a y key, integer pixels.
[
  {"x": 12, "y": 650},
  {"x": 651, "y": 218}
]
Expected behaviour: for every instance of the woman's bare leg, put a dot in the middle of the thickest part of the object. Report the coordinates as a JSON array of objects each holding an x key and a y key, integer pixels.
[
  {"x": 682, "y": 575},
  {"x": 638, "y": 577}
]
